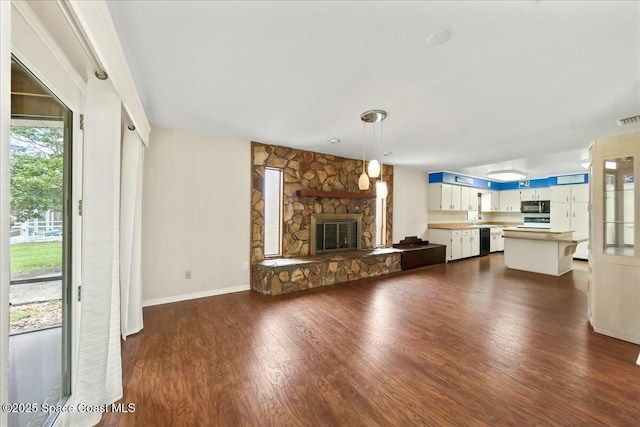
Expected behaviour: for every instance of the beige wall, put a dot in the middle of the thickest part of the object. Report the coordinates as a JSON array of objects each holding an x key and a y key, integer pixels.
[
  {"x": 410, "y": 203},
  {"x": 196, "y": 206}
]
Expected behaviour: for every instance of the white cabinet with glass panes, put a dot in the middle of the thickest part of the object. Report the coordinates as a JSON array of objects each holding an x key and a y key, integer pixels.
[{"x": 614, "y": 280}]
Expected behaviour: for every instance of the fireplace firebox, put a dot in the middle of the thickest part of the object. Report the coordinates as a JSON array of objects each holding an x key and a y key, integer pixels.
[{"x": 335, "y": 232}]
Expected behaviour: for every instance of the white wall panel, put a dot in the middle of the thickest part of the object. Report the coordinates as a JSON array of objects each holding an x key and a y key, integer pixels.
[
  {"x": 410, "y": 208},
  {"x": 196, "y": 206}
]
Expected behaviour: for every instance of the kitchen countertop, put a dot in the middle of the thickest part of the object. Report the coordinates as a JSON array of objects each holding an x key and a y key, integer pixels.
[
  {"x": 565, "y": 236},
  {"x": 466, "y": 225}
]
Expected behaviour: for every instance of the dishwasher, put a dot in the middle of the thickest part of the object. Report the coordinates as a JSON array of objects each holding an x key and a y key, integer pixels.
[{"x": 485, "y": 241}]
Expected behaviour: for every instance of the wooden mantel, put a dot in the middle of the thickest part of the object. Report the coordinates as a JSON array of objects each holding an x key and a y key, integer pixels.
[{"x": 334, "y": 194}]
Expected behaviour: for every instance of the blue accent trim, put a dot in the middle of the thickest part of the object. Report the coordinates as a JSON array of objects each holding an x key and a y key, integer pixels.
[
  {"x": 435, "y": 177},
  {"x": 450, "y": 178}
]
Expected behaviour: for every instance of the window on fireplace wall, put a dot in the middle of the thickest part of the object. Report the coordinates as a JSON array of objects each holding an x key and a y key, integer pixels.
[
  {"x": 272, "y": 212},
  {"x": 381, "y": 222}
]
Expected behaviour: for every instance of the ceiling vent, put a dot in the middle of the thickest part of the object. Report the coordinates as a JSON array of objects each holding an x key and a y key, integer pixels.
[{"x": 628, "y": 120}]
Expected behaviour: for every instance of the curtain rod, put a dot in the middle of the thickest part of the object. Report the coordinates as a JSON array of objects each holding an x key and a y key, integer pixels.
[
  {"x": 72, "y": 18},
  {"x": 82, "y": 37}
]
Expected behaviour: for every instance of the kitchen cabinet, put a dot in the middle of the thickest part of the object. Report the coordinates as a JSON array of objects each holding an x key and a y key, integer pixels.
[
  {"x": 572, "y": 216},
  {"x": 468, "y": 199},
  {"x": 534, "y": 194},
  {"x": 614, "y": 261},
  {"x": 447, "y": 197},
  {"x": 444, "y": 197},
  {"x": 462, "y": 243},
  {"x": 510, "y": 201},
  {"x": 496, "y": 242},
  {"x": 490, "y": 201},
  {"x": 470, "y": 243},
  {"x": 570, "y": 193},
  {"x": 495, "y": 201},
  {"x": 455, "y": 243}
]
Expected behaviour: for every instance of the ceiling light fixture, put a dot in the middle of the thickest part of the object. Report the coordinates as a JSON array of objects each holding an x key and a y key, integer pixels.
[
  {"x": 335, "y": 140},
  {"x": 375, "y": 166},
  {"x": 506, "y": 175},
  {"x": 438, "y": 37}
]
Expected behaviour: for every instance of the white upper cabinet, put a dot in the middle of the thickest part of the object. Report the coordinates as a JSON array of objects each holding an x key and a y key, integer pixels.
[
  {"x": 534, "y": 194},
  {"x": 543, "y": 193},
  {"x": 561, "y": 193},
  {"x": 468, "y": 199},
  {"x": 447, "y": 197},
  {"x": 580, "y": 193},
  {"x": 570, "y": 193},
  {"x": 490, "y": 201},
  {"x": 444, "y": 197},
  {"x": 510, "y": 201}
]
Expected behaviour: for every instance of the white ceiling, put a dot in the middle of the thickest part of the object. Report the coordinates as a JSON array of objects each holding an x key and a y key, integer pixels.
[{"x": 526, "y": 84}]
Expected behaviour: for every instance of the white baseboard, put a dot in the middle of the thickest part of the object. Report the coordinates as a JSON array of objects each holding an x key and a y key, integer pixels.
[
  {"x": 625, "y": 337},
  {"x": 203, "y": 294}
]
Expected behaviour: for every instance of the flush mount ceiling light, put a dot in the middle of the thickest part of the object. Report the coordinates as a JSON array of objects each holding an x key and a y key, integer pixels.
[
  {"x": 506, "y": 175},
  {"x": 335, "y": 140},
  {"x": 438, "y": 37}
]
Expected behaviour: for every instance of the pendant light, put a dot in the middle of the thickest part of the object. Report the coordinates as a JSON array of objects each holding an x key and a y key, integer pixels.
[
  {"x": 373, "y": 116},
  {"x": 363, "y": 181},
  {"x": 381, "y": 186}
]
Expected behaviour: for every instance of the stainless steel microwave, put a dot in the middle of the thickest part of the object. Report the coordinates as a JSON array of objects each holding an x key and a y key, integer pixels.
[{"x": 535, "y": 206}]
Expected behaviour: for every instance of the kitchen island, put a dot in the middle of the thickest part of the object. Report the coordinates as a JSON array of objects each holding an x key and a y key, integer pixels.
[{"x": 540, "y": 250}]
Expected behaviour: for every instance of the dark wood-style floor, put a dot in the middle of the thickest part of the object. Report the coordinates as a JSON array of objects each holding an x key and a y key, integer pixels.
[{"x": 467, "y": 343}]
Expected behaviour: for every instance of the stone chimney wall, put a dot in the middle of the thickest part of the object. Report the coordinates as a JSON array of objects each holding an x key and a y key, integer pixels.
[{"x": 306, "y": 170}]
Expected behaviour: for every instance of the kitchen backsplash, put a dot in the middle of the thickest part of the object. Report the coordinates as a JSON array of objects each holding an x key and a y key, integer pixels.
[{"x": 437, "y": 217}]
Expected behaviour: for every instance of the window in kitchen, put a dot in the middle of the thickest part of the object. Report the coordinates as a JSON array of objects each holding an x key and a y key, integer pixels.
[{"x": 272, "y": 212}]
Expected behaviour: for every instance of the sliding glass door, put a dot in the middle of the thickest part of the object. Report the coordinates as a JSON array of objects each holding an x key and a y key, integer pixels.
[{"x": 39, "y": 341}]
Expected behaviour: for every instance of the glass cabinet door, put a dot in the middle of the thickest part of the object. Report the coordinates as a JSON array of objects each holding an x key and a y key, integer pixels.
[{"x": 619, "y": 206}]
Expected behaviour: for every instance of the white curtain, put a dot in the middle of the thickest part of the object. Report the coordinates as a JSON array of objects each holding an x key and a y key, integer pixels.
[
  {"x": 131, "y": 233},
  {"x": 5, "y": 118},
  {"x": 98, "y": 377}
]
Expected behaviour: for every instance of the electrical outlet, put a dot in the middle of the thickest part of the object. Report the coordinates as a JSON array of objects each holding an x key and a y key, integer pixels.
[
  {"x": 187, "y": 274},
  {"x": 245, "y": 267}
]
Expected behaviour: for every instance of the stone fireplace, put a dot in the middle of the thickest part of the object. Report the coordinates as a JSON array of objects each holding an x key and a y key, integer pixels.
[
  {"x": 328, "y": 225},
  {"x": 335, "y": 233}
]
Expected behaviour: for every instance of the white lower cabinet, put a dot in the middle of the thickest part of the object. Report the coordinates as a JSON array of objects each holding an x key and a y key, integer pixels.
[
  {"x": 456, "y": 245},
  {"x": 471, "y": 243},
  {"x": 497, "y": 241},
  {"x": 575, "y": 217},
  {"x": 463, "y": 243}
]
